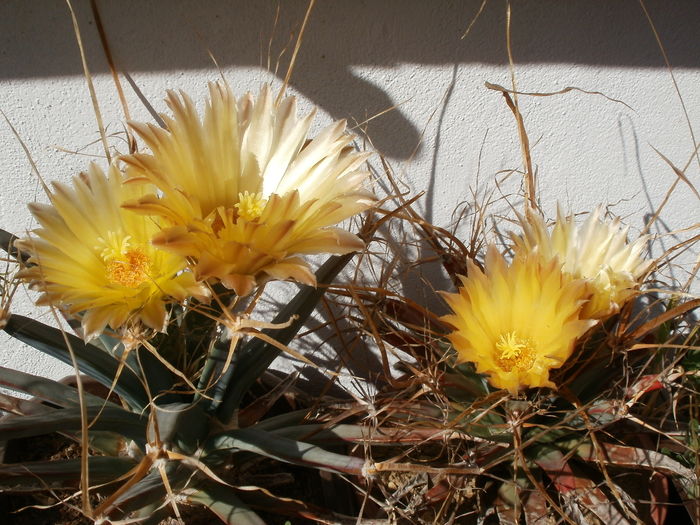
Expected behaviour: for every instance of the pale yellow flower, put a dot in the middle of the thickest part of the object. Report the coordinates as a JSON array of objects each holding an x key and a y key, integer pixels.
[
  {"x": 243, "y": 190},
  {"x": 516, "y": 322},
  {"x": 90, "y": 255},
  {"x": 596, "y": 250}
]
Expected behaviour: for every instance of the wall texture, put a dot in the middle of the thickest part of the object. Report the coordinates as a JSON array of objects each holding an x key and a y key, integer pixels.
[{"x": 447, "y": 135}]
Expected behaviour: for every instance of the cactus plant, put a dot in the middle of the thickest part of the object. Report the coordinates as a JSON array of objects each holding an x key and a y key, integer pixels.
[{"x": 152, "y": 268}]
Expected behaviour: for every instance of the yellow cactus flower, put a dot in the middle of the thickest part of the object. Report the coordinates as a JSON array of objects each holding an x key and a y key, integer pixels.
[
  {"x": 243, "y": 190},
  {"x": 517, "y": 322},
  {"x": 91, "y": 255},
  {"x": 596, "y": 250}
]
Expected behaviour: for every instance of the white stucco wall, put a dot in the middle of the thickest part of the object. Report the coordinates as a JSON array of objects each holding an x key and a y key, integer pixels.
[{"x": 448, "y": 132}]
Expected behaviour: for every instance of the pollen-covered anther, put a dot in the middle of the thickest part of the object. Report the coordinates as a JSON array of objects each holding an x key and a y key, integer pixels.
[
  {"x": 250, "y": 205},
  {"x": 129, "y": 270},
  {"x": 514, "y": 352}
]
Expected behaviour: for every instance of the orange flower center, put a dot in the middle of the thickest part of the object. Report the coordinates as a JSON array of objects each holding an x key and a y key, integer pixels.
[
  {"x": 514, "y": 352},
  {"x": 129, "y": 270}
]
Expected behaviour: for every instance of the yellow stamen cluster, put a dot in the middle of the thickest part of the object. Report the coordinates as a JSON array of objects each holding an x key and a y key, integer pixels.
[
  {"x": 250, "y": 205},
  {"x": 515, "y": 352}
]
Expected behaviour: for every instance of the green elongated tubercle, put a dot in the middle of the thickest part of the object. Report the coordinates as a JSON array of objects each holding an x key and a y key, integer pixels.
[
  {"x": 92, "y": 361},
  {"x": 225, "y": 504},
  {"x": 256, "y": 356},
  {"x": 107, "y": 418},
  {"x": 60, "y": 474},
  {"x": 284, "y": 449},
  {"x": 46, "y": 389}
]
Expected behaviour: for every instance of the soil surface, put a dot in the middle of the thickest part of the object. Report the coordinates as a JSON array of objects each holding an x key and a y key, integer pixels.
[
  {"x": 43, "y": 509},
  {"x": 22, "y": 508}
]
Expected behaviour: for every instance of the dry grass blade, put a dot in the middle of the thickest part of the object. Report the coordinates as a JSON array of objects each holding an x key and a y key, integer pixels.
[
  {"x": 84, "y": 424},
  {"x": 33, "y": 165},
  {"x": 297, "y": 46},
  {"x": 113, "y": 69},
  {"x": 669, "y": 192},
  {"x": 530, "y": 188},
  {"x": 154, "y": 352},
  {"x": 132, "y": 478},
  {"x": 530, "y": 191},
  {"x": 88, "y": 79},
  {"x": 170, "y": 495},
  {"x": 678, "y": 172},
  {"x": 673, "y": 77},
  {"x": 391, "y": 466},
  {"x": 473, "y": 21},
  {"x": 665, "y": 317},
  {"x": 563, "y": 91}
]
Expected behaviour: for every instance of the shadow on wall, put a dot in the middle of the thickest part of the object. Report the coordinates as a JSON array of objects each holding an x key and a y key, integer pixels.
[{"x": 36, "y": 40}]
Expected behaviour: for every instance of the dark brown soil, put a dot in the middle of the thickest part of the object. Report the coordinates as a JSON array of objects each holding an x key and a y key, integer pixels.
[{"x": 20, "y": 508}]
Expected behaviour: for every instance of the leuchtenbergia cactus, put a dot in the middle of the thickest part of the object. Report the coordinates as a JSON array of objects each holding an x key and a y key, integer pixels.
[
  {"x": 541, "y": 397},
  {"x": 232, "y": 200}
]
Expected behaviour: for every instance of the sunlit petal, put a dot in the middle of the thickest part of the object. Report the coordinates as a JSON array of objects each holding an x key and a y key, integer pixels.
[
  {"x": 595, "y": 250},
  {"x": 243, "y": 192}
]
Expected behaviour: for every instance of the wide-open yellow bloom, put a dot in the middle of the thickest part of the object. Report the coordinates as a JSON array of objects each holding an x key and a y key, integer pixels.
[
  {"x": 596, "y": 250},
  {"x": 517, "y": 321},
  {"x": 90, "y": 255},
  {"x": 243, "y": 191}
]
